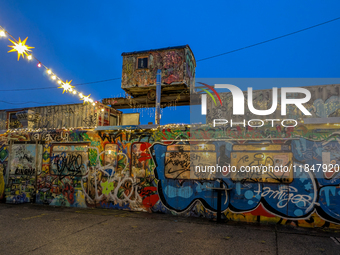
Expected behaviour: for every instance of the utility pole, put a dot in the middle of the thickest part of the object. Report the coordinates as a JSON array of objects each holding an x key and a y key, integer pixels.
[{"x": 158, "y": 97}]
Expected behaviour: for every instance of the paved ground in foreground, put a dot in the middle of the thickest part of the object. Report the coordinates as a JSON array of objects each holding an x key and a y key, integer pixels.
[{"x": 34, "y": 229}]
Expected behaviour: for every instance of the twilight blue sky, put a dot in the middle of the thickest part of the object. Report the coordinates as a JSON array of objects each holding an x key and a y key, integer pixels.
[{"x": 83, "y": 41}]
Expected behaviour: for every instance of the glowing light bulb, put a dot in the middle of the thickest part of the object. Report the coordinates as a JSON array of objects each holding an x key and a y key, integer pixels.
[
  {"x": 49, "y": 71},
  {"x": 86, "y": 98},
  {"x": 80, "y": 95},
  {"x": 93, "y": 104},
  {"x": 59, "y": 81},
  {"x": 39, "y": 65},
  {"x": 66, "y": 86},
  {"x": 54, "y": 77},
  {"x": 102, "y": 109},
  {"x": 74, "y": 92},
  {"x": 2, "y": 33},
  {"x": 29, "y": 57},
  {"x": 70, "y": 89},
  {"x": 91, "y": 101},
  {"x": 20, "y": 47}
]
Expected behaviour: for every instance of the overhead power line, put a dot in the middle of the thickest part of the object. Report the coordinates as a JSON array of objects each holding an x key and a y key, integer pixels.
[
  {"x": 214, "y": 56},
  {"x": 80, "y": 84},
  {"x": 270, "y": 40}
]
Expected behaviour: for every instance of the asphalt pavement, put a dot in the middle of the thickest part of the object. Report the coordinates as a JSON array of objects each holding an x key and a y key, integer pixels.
[{"x": 36, "y": 229}]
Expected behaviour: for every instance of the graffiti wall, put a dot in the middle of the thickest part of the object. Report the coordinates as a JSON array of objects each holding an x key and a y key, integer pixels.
[
  {"x": 142, "y": 170},
  {"x": 3, "y": 166}
]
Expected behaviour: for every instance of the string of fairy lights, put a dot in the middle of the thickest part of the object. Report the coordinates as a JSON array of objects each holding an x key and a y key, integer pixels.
[{"x": 23, "y": 50}]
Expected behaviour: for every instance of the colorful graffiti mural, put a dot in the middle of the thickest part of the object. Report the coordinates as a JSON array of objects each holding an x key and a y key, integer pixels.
[
  {"x": 176, "y": 64},
  {"x": 146, "y": 170},
  {"x": 167, "y": 61}
]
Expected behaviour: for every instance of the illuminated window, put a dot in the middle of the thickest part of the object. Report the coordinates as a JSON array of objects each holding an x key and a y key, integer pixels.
[
  {"x": 139, "y": 159},
  {"x": 111, "y": 151},
  {"x": 270, "y": 163},
  {"x": 181, "y": 161}
]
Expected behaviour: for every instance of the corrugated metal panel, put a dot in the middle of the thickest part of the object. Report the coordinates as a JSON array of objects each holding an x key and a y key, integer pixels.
[
  {"x": 66, "y": 116},
  {"x": 324, "y": 103},
  {"x": 3, "y": 119}
]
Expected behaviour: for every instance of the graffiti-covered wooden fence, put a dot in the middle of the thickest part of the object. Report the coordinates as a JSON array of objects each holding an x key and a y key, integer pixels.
[{"x": 151, "y": 169}]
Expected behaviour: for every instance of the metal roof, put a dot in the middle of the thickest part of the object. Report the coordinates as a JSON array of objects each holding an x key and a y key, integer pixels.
[{"x": 146, "y": 51}]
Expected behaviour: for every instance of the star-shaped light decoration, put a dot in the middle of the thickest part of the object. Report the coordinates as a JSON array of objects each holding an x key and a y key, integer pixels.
[
  {"x": 86, "y": 98},
  {"x": 20, "y": 47},
  {"x": 66, "y": 86}
]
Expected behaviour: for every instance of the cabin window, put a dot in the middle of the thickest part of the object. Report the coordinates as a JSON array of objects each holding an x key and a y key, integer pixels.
[
  {"x": 111, "y": 151},
  {"x": 142, "y": 62},
  {"x": 70, "y": 160},
  {"x": 139, "y": 159},
  {"x": 178, "y": 159}
]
